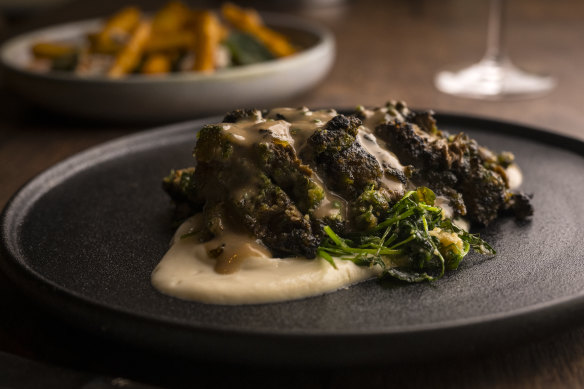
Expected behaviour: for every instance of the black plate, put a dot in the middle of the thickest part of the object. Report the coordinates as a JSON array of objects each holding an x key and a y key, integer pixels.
[{"x": 83, "y": 237}]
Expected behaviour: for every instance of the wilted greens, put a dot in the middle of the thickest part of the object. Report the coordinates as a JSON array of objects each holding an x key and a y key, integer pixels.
[{"x": 414, "y": 242}]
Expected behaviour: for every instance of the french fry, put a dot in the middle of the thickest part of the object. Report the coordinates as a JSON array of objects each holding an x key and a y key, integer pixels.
[
  {"x": 223, "y": 32},
  {"x": 248, "y": 20},
  {"x": 129, "y": 56},
  {"x": 120, "y": 24},
  {"x": 171, "y": 18},
  {"x": 180, "y": 40},
  {"x": 176, "y": 38},
  {"x": 241, "y": 18},
  {"x": 207, "y": 37},
  {"x": 157, "y": 64},
  {"x": 52, "y": 50}
]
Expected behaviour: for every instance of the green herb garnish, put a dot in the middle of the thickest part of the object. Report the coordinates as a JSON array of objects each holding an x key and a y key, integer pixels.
[{"x": 414, "y": 242}]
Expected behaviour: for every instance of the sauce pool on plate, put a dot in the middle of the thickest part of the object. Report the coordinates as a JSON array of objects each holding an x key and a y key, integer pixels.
[{"x": 187, "y": 272}]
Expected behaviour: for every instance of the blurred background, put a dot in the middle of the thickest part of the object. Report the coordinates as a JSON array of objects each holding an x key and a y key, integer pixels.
[
  {"x": 393, "y": 49},
  {"x": 389, "y": 49}
]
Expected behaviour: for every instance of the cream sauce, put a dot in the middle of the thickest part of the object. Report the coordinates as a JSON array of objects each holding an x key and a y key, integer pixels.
[
  {"x": 385, "y": 158},
  {"x": 379, "y": 148},
  {"x": 448, "y": 212},
  {"x": 332, "y": 204},
  {"x": 246, "y": 133},
  {"x": 377, "y": 116},
  {"x": 187, "y": 272},
  {"x": 304, "y": 122},
  {"x": 230, "y": 249}
]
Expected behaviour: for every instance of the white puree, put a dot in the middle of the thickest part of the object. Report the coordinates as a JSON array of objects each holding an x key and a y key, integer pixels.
[{"x": 187, "y": 272}]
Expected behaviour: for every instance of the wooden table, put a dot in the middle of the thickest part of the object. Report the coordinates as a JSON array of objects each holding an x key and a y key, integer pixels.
[{"x": 386, "y": 50}]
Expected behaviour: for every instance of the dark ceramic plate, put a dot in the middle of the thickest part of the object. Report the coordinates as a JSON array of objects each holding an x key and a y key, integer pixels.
[{"x": 83, "y": 237}]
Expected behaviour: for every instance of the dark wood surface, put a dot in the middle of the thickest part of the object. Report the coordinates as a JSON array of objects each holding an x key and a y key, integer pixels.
[{"x": 386, "y": 50}]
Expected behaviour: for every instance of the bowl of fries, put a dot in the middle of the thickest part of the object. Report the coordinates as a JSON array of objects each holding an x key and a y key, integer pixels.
[{"x": 177, "y": 63}]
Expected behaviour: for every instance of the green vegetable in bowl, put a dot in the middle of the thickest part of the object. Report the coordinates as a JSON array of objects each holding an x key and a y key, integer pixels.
[{"x": 246, "y": 50}]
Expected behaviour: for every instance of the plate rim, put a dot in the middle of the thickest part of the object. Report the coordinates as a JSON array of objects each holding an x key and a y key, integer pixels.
[{"x": 31, "y": 282}]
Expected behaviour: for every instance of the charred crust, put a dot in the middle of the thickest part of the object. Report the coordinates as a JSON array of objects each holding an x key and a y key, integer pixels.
[
  {"x": 349, "y": 124},
  {"x": 424, "y": 120},
  {"x": 454, "y": 166},
  {"x": 520, "y": 205},
  {"x": 242, "y": 114}
]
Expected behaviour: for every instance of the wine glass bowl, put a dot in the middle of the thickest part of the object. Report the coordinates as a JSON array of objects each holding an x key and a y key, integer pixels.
[
  {"x": 493, "y": 79},
  {"x": 494, "y": 76}
]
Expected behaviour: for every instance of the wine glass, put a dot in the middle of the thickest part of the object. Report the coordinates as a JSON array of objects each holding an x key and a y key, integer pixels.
[{"x": 494, "y": 76}]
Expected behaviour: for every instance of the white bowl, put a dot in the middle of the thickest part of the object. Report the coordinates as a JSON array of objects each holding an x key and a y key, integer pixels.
[{"x": 171, "y": 96}]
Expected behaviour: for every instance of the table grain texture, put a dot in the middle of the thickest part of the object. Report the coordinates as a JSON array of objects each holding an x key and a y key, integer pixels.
[{"x": 385, "y": 50}]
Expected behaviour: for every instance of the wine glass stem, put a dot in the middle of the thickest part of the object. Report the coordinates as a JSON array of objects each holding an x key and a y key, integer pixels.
[{"x": 495, "y": 32}]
